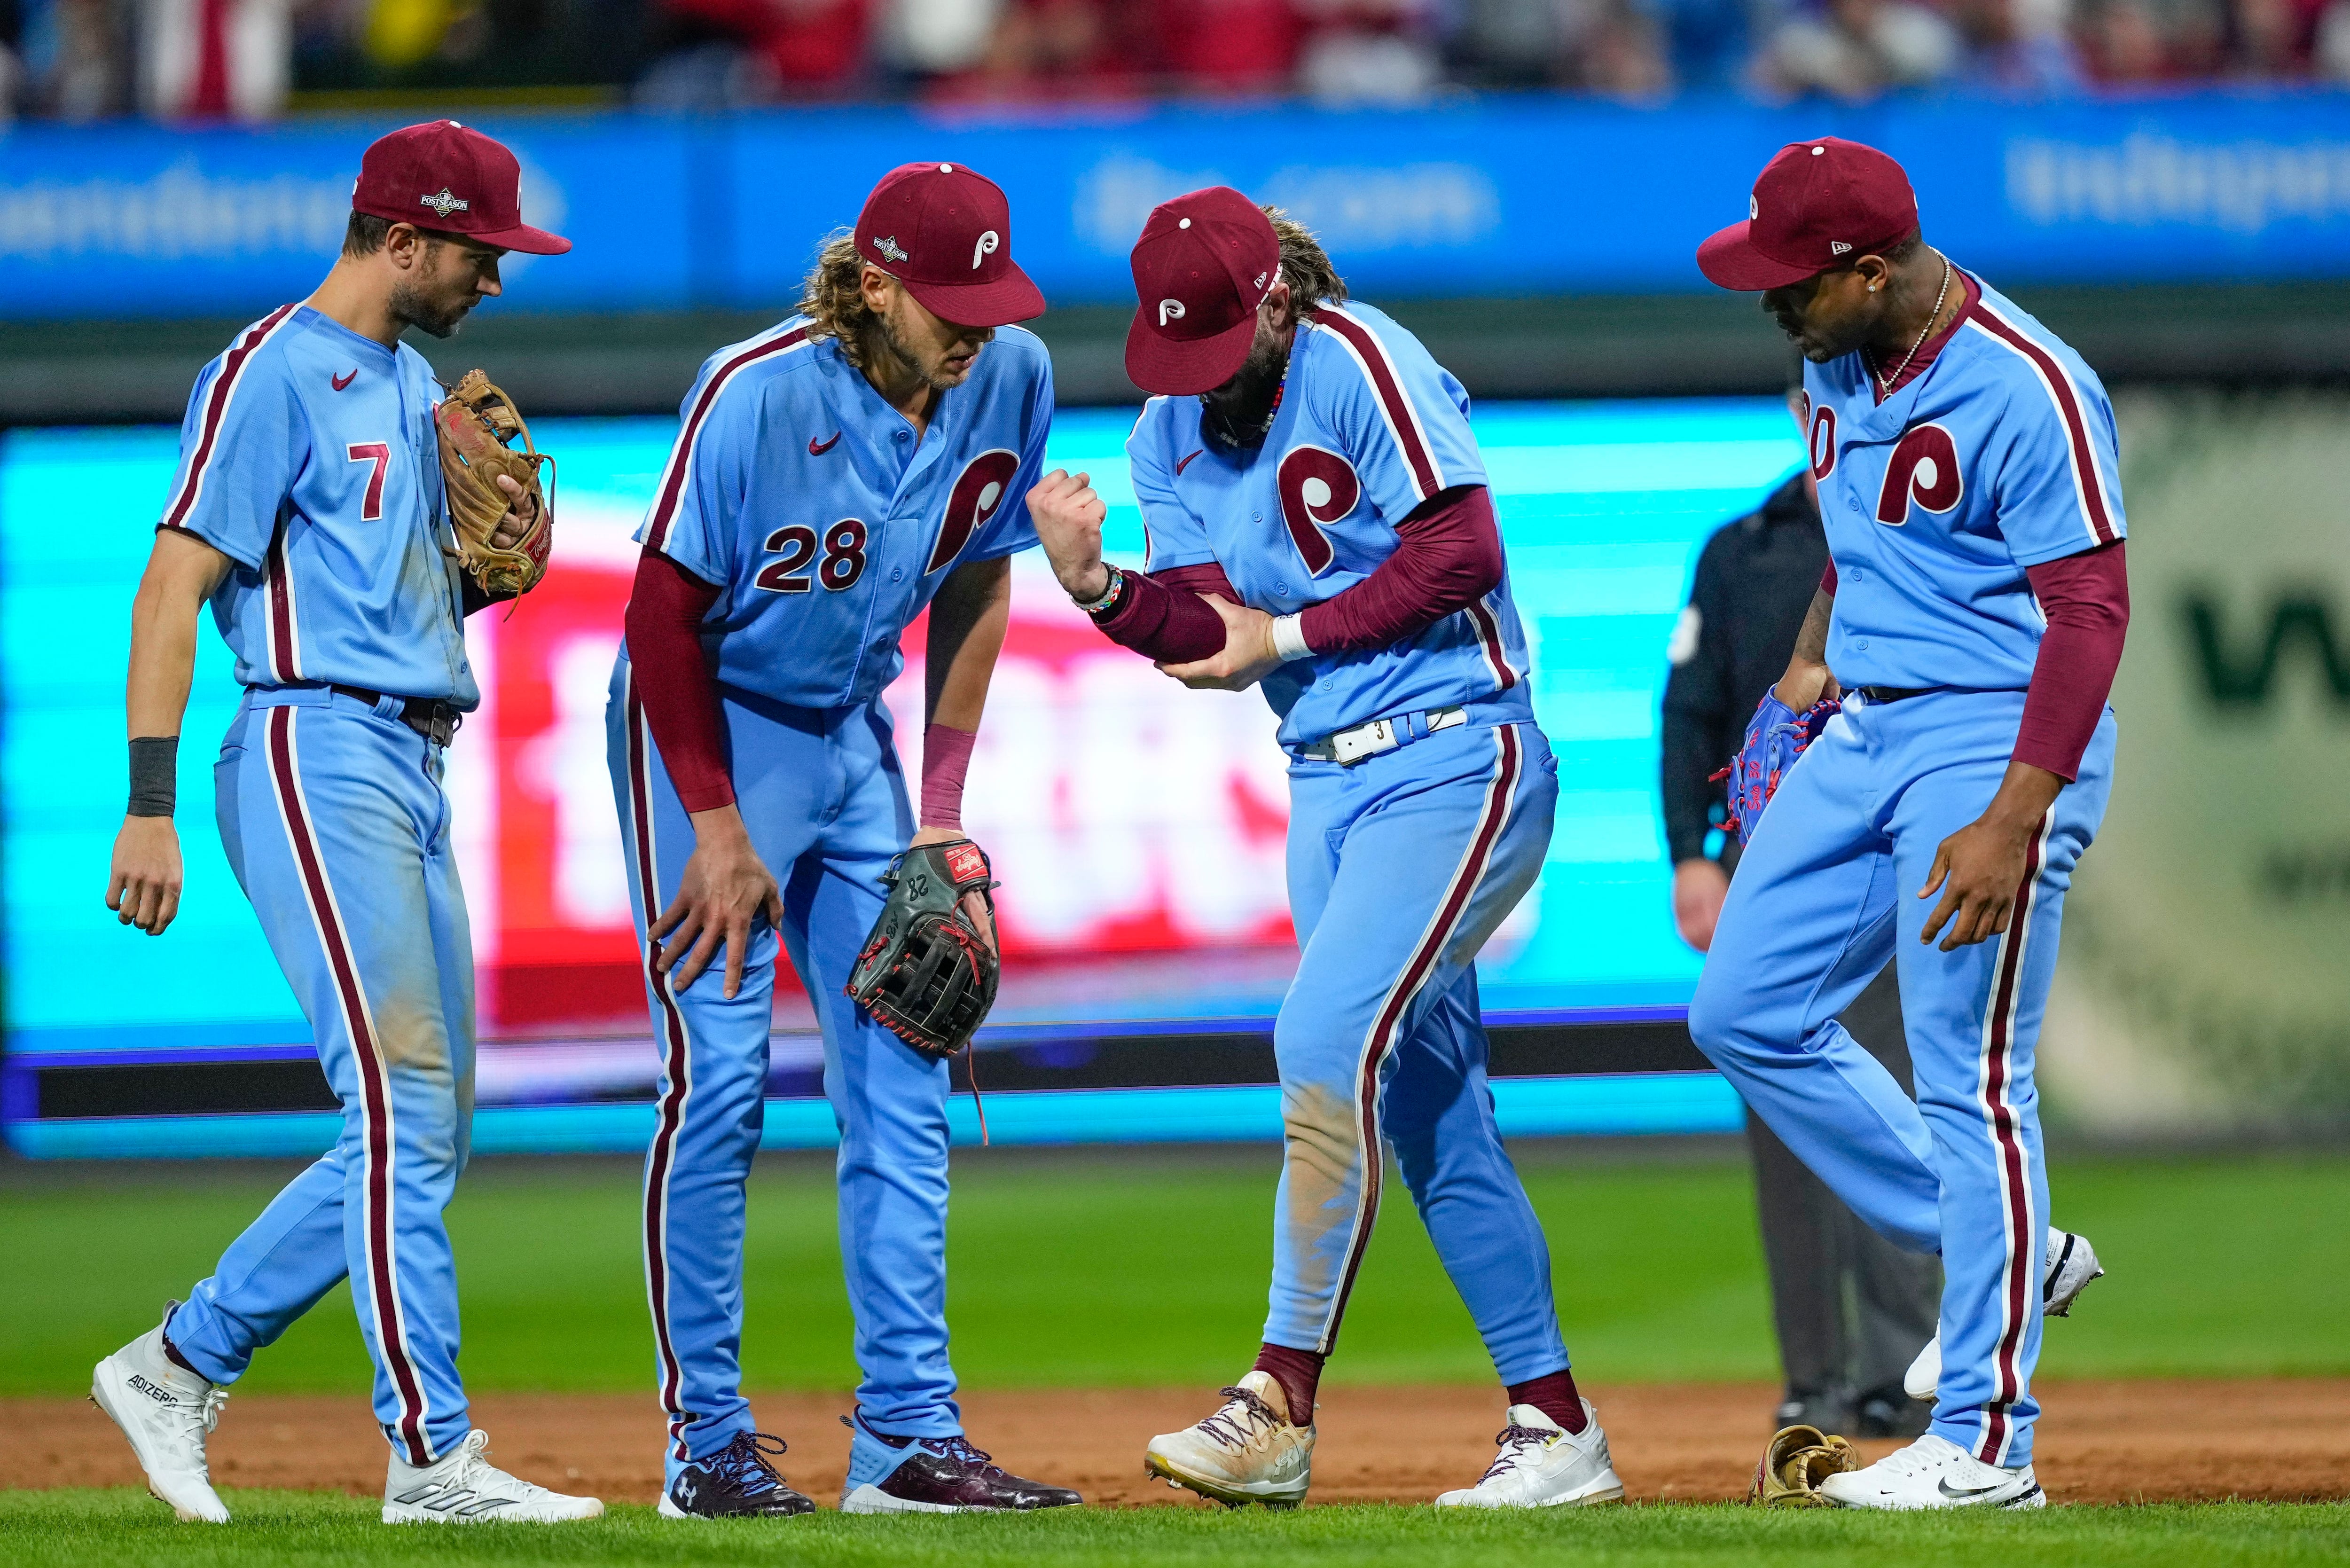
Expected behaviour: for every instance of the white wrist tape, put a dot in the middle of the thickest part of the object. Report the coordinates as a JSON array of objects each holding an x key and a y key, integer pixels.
[{"x": 1289, "y": 637}]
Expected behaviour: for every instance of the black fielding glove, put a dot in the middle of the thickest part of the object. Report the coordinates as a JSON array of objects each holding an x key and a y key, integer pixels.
[{"x": 926, "y": 974}]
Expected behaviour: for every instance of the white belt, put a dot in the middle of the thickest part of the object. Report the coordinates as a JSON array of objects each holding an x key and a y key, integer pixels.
[{"x": 1348, "y": 747}]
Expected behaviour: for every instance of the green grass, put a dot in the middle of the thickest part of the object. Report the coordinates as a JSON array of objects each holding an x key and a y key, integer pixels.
[
  {"x": 39, "y": 1530},
  {"x": 1147, "y": 1267}
]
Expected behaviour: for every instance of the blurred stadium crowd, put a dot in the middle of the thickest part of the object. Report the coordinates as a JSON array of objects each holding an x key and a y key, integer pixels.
[{"x": 251, "y": 59}]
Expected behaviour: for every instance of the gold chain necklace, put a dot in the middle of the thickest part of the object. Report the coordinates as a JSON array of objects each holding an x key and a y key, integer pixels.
[{"x": 1887, "y": 381}]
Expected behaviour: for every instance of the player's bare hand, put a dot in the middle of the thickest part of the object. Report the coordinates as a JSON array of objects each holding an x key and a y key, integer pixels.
[
  {"x": 522, "y": 511},
  {"x": 1804, "y": 684},
  {"x": 1699, "y": 886},
  {"x": 143, "y": 888},
  {"x": 974, "y": 905},
  {"x": 1068, "y": 517},
  {"x": 724, "y": 889},
  {"x": 1247, "y": 657},
  {"x": 1979, "y": 869}
]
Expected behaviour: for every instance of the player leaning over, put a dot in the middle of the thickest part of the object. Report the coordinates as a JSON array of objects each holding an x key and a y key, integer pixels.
[
  {"x": 1311, "y": 467},
  {"x": 309, "y": 511},
  {"x": 834, "y": 474},
  {"x": 1972, "y": 613}
]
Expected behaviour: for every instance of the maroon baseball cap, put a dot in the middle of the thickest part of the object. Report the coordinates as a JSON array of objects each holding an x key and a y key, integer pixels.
[
  {"x": 443, "y": 175},
  {"x": 1815, "y": 205},
  {"x": 945, "y": 231},
  {"x": 1203, "y": 265}
]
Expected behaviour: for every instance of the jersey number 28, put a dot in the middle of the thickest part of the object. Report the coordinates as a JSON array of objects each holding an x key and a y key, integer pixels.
[{"x": 795, "y": 545}]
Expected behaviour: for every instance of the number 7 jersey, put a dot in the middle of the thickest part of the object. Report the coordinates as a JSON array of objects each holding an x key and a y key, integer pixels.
[{"x": 825, "y": 525}]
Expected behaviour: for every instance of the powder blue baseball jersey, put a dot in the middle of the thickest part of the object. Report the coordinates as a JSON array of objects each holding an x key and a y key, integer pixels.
[
  {"x": 1369, "y": 428},
  {"x": 2002, "y": 455},
  {"x": 308, "y": 457},
  {"x": 827, "y": 527}
]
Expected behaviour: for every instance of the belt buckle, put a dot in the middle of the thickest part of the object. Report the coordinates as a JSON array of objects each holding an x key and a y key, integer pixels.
[{"x": 1348, "y": 747}]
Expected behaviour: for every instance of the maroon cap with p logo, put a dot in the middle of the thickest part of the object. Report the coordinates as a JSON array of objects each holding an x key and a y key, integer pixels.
[
  {"x": 1203, "y": 265},
  {"x": 1816, "y": 205},
  {"x": 442, "y": 175},
  {"x": 945, "y": 231}
]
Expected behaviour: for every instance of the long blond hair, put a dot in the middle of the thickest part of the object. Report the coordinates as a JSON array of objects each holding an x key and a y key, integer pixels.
[{"x": 833, "y": 296}]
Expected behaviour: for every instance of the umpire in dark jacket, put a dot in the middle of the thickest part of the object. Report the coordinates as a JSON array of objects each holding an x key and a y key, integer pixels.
[{"x": 1852, "y": 1309}]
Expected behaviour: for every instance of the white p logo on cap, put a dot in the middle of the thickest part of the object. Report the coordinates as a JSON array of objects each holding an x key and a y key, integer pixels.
[
  {"x": 985, "y": 247},
  {"x": 1170, "y": 310}
]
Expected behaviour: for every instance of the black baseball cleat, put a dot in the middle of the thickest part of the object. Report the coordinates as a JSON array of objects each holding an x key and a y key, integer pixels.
[
  {"x": 736, "y": 1483},
  {"x": 935, "y": 1475}
]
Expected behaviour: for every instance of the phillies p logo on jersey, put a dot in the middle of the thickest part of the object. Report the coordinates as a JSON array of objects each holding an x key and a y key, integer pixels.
[
  {"x": 1924, "y": 468},
  {"x": 978, "y": 493},
  {"x": 1318, "y": 487}
]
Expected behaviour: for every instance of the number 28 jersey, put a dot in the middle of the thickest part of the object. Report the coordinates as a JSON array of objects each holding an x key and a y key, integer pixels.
[
  {"x": 825, "y": 525},
  {"x": 1369, "y": 428}
]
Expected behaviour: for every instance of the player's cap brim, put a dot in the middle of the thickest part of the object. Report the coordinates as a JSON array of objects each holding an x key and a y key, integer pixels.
[
  {"x": 999, "y": 303},
  {"x": 1184, "y": 367},
  {"x": 524, "y": 238},
  {"x": 1727, "y": 258}
]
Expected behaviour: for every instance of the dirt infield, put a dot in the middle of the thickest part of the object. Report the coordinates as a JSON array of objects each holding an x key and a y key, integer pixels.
[{"x": 2283, "y": 1439}]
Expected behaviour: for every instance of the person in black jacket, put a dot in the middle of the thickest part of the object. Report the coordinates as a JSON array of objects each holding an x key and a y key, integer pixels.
[{"x": 1851, "y": 1308}]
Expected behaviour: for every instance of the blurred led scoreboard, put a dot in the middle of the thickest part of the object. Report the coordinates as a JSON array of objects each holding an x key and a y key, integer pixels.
[{"x": 1138, "y": 827}]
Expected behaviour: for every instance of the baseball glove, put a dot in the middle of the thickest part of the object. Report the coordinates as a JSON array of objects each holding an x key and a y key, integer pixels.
[
  {"x": 1793, "y": 1467},
  {"x": 926, "y": 974},
  {"x": 1775, "y": 737},
  {"x": 474, "y": 422}
]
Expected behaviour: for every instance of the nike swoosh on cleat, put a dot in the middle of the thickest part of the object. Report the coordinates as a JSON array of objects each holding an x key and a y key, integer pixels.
[
  {"x": 344, "y": 379},
  {"x": 1955, "y": 1492},
  {"x": 819, "y": 448},
  {"x": 1185, "y": 462}
]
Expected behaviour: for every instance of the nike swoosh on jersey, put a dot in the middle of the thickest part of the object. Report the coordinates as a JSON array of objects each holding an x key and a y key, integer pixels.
[
  {"x": 344, "y": 379},
  {"x": 819, "y": 448},
  {"x": 1182, "y": 462}
]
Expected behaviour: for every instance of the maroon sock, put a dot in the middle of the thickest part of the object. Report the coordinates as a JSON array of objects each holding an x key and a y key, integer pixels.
[
  {"x": 173, "y": 1351},
  {"x": 1554, "y": 1397},
  {"x": 1298, "y": 1372}
]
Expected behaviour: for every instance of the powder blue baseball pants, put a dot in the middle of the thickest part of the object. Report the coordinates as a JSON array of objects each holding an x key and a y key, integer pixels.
[
  {"x": 336, "y": 826},
  {"x": 1826, "y": 894}
]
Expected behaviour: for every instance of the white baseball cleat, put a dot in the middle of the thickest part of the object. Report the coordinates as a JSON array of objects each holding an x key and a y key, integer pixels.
[
  {"x": 1543, "y": 1465},
  {"x": 1246, "y": 1452},
  {"x": 462, "y": 1486},
  {"x": 167, "y": 1412},
  {"x": 1934, "y": 1472},
  {"x": 2070, "y": 1266}
]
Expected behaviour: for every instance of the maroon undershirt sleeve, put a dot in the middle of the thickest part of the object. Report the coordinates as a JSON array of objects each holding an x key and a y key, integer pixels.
[
  {"x": 1827, "y": 578},
  {"x": 666, "y": 607},
  {"x": 1162, "y": 617},
  {"x": 2086, "y": 601},
  {"x": 1448, "y": 557}
]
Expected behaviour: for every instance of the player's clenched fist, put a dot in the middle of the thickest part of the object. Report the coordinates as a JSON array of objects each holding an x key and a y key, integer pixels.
[
  {"x": 1068, "y": 517},
  {"x": 143, "y": 888}
]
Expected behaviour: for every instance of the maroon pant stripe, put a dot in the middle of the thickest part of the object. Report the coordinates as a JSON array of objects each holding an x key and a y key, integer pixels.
[
  {"x": 672, "y": 1110},
  {"x": 1415, "y": 976},
  {"x": 2025, "y": 1249},
  {"x": 374, "y": 1090}
]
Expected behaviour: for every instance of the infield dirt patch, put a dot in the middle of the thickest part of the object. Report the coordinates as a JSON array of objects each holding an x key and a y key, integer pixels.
[{"x": 2186, "y": 1440}]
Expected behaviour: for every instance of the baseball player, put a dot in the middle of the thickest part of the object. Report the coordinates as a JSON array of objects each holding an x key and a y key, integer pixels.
[
  {"x": 1319, "y": 524},
  {"x": 834, "y": 474},
  {"x": 309, "y": 511},
  {"x": 1972, "y": 613}
]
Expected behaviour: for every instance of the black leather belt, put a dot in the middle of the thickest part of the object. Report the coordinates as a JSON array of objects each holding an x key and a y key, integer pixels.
[
  {"x": 1894, "y": 693},
  {"x": 429, "y": 716}
]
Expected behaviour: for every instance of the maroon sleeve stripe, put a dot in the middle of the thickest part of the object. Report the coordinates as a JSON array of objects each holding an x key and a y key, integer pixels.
[
  {"x": 2087, "y": 483},
  {"x": 217, "y": 409},
  {"x": 680, "y": 456},
  {"x": 1402, "y": 419}
]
